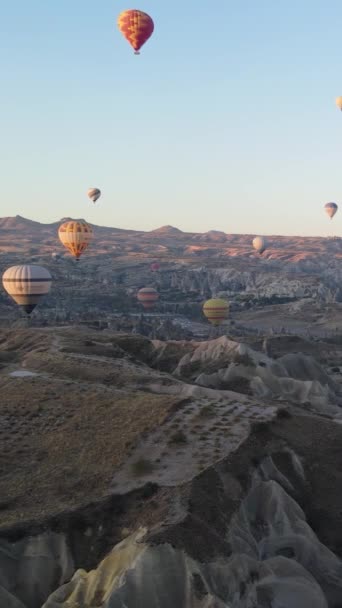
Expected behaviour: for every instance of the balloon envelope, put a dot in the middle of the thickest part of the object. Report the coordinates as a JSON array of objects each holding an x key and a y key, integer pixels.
[
  {"x": 27, "y": 284},
  {"x": 155, "y": 266},
  {"x": 330, "y": 209},
  {"x": 75, "y": 236},
  {"x": 259, "y": 244},
  {"x": 136, "y": 26},
  {"x": 94, "y": 194},
  {"x": 148, "y": 297},
  {"x": 339, "y": 102},
  {"x": 216, "y": 310}
]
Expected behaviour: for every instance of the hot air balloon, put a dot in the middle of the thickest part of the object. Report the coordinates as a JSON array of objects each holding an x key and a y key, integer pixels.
[
  {"x": 94, "y": 194},
  {"x": 136, "y": 27},
  {"x": 339, "y": 103},
  {"x": 155, "y": 266},
  {"x": 75, "y": 236},
  {"x": 331, "y": 209},
  {"x": 148, "y": 297},
  {"x": 27, "y": 284},
  {"x": 259, "y": 244},
  {"x": 216, "y": 310}
]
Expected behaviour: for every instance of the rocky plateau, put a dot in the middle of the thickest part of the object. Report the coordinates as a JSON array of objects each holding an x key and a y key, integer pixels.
[{"x": 150, "y": 461}]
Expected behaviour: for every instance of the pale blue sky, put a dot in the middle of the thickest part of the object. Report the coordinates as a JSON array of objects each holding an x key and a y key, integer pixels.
[{"x": 226, "y": 120}]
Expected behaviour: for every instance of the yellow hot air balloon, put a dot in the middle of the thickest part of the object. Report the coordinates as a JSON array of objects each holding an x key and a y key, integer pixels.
[
  {"x": 339, "y": 103},
  {"x": 75, "y": 236},
  {"x": 27, "y": 284},
  {"x": 216, "y": 310}
]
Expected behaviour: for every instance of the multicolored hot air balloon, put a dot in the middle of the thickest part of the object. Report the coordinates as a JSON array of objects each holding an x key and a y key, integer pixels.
[
  {"x": 216, "y": 310},
  {"x": 27, "y": 284},
  {"x": 155, "y": 266},
  {"x": 330, "y": 209},
  {"x": 148, "y": 297},
  {"x": 94, "y": 194},
  {"x": 137, "y": 27},
  {"x": 259, "y": 244},
  {"x": 75, "y": 236},
  {"x": 339, "y": 103}
]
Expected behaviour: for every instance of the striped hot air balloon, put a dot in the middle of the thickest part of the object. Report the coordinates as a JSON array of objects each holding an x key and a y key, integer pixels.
[
  {"x": 330, "y": 209},
  {"x": 137, "y": 27},
  {"x": 148, "y": 297},
  {"x": 27, "y": 284},
  {"x": 94, "y": 194},
  {"x": 75, "y": 236},
  {"x": 216, "y": 310}
]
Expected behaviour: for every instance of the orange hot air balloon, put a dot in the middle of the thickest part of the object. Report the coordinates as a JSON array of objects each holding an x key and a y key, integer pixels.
[
  {"x": 148, "y": 297},
  {"x": 75, "y": 236},
  {"x": 137, "y": 27}
]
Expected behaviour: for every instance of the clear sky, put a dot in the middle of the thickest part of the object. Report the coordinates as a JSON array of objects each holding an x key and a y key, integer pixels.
[{"x": 226, "y": 120}]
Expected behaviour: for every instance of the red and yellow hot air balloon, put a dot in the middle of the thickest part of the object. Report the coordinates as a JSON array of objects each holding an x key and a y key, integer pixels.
[
  {"x": 216, "y": 310},
  {"x": 136, "y": 26},
  {"x": 75, "y": 236},
  {"x": 148, "y": 297}
]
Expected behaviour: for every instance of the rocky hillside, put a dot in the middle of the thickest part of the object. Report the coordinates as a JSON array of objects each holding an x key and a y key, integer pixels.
[
  {"x": 299, "y": 277},
  {"x": 138, "y": 472}
]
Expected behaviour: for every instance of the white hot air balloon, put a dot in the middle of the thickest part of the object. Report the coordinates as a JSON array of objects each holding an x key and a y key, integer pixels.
[
  {"x": 94, "y": 194},
  {"x": 330, "y": 209},
  {"x": 259, "y": 244},
  {"x": 27, "y": 284}
]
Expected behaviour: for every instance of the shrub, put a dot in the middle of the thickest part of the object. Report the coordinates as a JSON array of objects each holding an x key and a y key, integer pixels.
[
  {"x": 207, "y": 411},
  {"x": 244, "y": 359},
  {"x": 141, "y": 467},
  {"x": 239, "y": 385},
  {"x": 283, "y": 413},
  {"x": 261, "y": 427},
  {"x": 178, "y": 437}
]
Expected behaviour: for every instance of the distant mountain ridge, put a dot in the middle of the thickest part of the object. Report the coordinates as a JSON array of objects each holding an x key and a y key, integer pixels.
[
  {"x": 19, "y": 222},
  {"x": 167, "y": 230},
  {"x": 23, "y": 236}
]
